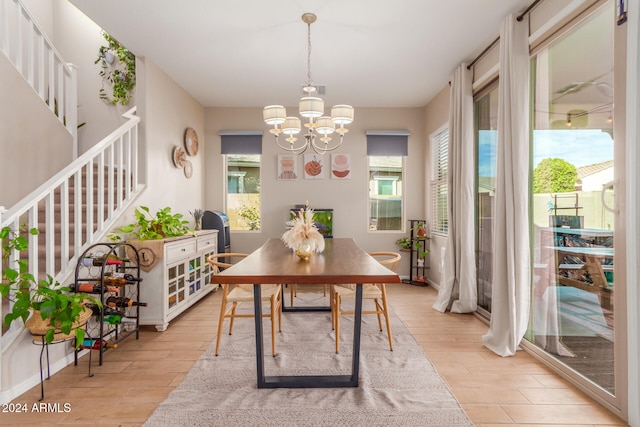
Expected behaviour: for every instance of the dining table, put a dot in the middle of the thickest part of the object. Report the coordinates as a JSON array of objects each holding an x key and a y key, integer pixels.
[{"x": 341, "y": 262}]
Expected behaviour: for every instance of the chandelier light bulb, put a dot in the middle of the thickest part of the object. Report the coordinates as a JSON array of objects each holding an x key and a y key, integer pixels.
[
  {"x": 325, "y": 126},
  {"x": 274, "y": 114},
  {"x": 291, "y": 126}
]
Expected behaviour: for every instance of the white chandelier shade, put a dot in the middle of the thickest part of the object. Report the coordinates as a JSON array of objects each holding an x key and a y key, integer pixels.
[{"x": 310, "y": 108}]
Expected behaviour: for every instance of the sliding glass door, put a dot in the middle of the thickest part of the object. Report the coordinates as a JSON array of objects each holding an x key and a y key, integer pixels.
[
  {"x": 572, "y": 197},
  {"x": 486, "y": 121}
]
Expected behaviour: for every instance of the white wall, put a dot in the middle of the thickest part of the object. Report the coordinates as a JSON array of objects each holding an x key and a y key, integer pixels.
[
  {"x": 348, "y": 198},
  {"x": 29, "y": 134},
  {"x": 166, "y": 110},
  {"x": 78, "y": 39}
]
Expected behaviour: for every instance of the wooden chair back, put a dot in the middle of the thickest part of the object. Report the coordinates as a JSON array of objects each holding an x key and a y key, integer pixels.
[{"x": 391, "y": 260}]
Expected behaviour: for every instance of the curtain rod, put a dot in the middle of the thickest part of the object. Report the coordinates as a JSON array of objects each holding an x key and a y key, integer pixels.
[
  {"x": 527, "y": 10},
  {"x": 493, "y": 43}
]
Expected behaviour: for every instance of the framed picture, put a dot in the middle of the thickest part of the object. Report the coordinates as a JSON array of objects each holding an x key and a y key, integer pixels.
[
  {"x": 314, "y": 166},
  {"x": 341, "y": 166},
  {"x": 287, "y": 167}
]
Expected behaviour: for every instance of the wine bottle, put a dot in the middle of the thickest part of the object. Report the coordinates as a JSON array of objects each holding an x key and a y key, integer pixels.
[
  {"x": 106, "y": 311},
  {"x": 96, "y": 344},
  {"x": 130, "y": 278},
  {"x": 91, "y": 288},
  {"x": 107, "y": 259},
  {"x": 116, "y": 319},
  {"x": 114, "y": 281},
  {"x": 114, "y": 301}
]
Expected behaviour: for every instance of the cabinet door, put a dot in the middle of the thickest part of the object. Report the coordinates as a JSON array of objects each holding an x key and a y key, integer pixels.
[
  {"x": 177, "y": 275},
  {"x": 195, "y": 274},
  {"x": 207, "y": 271}
]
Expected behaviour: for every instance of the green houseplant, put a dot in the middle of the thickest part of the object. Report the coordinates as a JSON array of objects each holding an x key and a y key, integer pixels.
[
  {"x": 44, "y": 305},
  {"x": 153, "y": 227},
  {"x": 404, "y": 243},
  {"x": 121, "y": 75}
]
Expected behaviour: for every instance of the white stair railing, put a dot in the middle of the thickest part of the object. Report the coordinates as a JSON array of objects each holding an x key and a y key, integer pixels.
[
  {"x": 35, "y": 57},
  {"x": 79, "y": 205}
]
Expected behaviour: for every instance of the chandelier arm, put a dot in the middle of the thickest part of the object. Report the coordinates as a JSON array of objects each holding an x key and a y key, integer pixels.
[
  {"x": 321, "y": 150},
  {"x": 291, "y": 149}
]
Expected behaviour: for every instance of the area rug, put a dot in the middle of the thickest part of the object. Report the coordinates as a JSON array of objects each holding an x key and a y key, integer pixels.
[{"x": 397, "y": 388}]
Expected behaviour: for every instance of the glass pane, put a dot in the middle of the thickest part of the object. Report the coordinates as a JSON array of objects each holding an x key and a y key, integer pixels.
[
  {"x": 243, "y": 191},
  {"x": 385, "y": 193},
  {"x": 486, "y": 119},
  {"x": 573, "y": 166}
]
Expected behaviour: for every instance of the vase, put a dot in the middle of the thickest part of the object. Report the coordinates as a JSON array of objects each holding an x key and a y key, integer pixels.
[
  {"x": 304, "y": 250},
  {"x": 198, "y": 225}
]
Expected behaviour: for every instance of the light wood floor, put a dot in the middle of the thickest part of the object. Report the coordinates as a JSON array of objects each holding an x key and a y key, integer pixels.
[{"x": 138, "y": 375}]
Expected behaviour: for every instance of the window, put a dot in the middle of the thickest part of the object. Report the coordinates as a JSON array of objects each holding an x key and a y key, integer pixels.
[
  {"x": 385, "y": 193},
  {"x": 242, "y": 150},
  {"x": 243, "y": 191},
  {"x": 439, "y": 193},
  {"x": 386, "y": 150}
]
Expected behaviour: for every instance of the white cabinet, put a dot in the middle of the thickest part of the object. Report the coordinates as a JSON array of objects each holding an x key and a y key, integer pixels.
[{"x": 179, "y": 280}]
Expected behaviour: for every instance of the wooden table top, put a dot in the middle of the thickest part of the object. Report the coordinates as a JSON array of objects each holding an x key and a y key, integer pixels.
[{"x": 342, "y": 261}]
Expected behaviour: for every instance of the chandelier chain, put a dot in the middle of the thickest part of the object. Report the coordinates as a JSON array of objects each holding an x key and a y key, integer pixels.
[{"x": 309, "y": 81}]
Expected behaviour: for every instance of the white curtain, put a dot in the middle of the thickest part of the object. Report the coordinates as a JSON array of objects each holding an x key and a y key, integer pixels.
[
  {"x": 511, "y": 260},
  {"x": 458, "y": 290}
]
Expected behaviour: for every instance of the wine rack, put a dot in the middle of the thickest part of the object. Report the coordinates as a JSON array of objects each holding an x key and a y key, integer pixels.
[{"x": 105, "y": 271}]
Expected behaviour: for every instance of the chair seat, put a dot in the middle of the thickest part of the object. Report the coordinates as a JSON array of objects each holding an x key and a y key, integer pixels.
[
  {"x": 244, "y": 293},
  {"x": 369, "y": 291}
]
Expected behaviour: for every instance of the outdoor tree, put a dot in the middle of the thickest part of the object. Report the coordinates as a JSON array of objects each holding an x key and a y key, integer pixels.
[{"x": 554, "y": 176}]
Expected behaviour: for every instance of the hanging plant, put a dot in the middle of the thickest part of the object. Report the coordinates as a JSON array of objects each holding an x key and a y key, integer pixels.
[{"x": 118, "y": 69}]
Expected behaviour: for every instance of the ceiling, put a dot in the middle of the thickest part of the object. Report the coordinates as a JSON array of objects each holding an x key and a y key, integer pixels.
[{"x": 252, "y": 53}]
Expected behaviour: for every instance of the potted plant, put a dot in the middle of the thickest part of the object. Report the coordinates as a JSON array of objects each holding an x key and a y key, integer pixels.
[
  {"x": 50, "y": 311},
  {"x": 153, "y": 227},
  {"x": 421, "y": 230},
  {"x": 121, "y": 75},
  {"x": 404, "y": 243},
  {"x": 422, "y": 252}
]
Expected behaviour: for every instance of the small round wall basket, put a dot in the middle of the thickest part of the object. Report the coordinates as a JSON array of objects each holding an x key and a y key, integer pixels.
[
  {"x": 191, "y": 141},
  {"x": 179, "y": 156}
]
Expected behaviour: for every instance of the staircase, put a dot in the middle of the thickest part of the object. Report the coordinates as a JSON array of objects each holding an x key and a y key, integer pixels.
[{"x": 82, "y": 202}]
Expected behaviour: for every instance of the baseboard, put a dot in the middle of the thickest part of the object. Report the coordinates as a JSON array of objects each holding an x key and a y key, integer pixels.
[{"x": 19, "y": 389}]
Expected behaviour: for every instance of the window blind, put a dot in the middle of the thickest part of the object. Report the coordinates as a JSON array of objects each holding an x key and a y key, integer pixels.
[
  {"x": 439, "y": 189},
  {"x": 387, "y": 143},
  {"x": 241, "y": 142}
]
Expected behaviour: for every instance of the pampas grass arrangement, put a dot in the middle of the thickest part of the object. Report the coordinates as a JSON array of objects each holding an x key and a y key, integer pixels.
[{"x": 303, "y": 230}]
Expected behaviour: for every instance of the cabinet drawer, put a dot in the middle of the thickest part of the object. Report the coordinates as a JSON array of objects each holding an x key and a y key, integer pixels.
[
  {"x": 180, "y": 250},
  {"x": 206, "y": 241}
]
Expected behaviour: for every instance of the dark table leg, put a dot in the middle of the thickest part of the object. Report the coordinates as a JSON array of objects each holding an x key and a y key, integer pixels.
[{"x": 307, "y": 381}]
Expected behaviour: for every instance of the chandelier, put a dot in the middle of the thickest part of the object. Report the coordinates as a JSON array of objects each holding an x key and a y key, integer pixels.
[{"x": 311, "y": 108}]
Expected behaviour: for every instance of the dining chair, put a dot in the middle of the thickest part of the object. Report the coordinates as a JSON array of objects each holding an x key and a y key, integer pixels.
[
  {"x": 231, "y": 298},
  {"x": 376, "y": 292}
]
